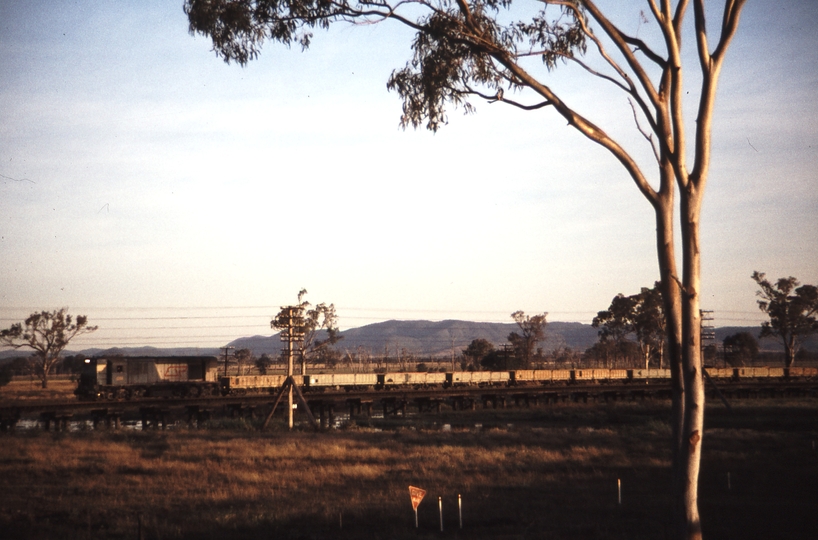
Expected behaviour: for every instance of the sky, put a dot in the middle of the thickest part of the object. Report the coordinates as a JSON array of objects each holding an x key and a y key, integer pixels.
[{"x": 179, "y": 201}]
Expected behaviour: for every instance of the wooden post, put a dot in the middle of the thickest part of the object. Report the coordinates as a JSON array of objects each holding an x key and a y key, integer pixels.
[{"x": 440, "y": 506}]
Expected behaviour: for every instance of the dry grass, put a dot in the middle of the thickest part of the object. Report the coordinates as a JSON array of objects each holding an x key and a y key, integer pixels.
[
  {"x": 553, "y": 475},
  {"x": 32, "y": 389}
]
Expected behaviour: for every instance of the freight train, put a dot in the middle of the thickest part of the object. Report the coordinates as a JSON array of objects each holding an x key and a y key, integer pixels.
[{"x": 178, "y": 376}]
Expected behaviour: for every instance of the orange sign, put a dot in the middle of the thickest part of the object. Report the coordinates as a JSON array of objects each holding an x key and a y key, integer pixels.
[{"x": 417, "y": 495}]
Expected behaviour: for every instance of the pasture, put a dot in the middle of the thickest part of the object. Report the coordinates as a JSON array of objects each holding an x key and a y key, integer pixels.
[{"x": 546, "y": 472}]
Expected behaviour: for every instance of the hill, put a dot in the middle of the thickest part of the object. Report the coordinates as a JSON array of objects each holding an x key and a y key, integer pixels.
[{"x": 421, "y": 338}]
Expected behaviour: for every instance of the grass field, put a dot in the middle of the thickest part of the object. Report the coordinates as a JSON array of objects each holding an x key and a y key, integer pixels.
[
  {"x": 32, "y": 389},
  {"x": 548, "y": 472}
]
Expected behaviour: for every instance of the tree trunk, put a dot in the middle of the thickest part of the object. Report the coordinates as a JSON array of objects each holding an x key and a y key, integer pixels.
[
  {"x": 789, "y": 351},
  {"x": 693, "y": 429}
]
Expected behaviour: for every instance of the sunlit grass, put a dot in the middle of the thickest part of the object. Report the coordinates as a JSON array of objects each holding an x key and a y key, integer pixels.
[{"x": 553, "y": 475}]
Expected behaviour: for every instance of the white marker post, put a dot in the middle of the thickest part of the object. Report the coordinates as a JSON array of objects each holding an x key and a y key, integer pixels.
[
  {"x": 619, "y": 490},
  {"x": 440, "y": 505},
  {"x": 416, "y": 494},
  {"x": 460, "y": 510}
]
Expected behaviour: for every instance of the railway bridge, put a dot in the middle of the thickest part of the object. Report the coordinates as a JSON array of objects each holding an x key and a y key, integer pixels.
[{"x": 325, "y": 406}]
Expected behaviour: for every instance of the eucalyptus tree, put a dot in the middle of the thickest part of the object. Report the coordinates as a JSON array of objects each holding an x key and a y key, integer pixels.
[
  {"x": 532, "y": 331},
  {"x": 47, "y": 333},
  {"x": 487, "y": 49},
  {"x": 639, "y": 316},
  {"x": 793, "y": 312},
  {"x": 317, "y": 327}
]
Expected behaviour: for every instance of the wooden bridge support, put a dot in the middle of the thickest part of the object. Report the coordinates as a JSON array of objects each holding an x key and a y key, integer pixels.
[
  {"x": 154, "y": 417},
  {"x": 525, "y": 399},
  {"x": 9, "y": 419},
  {"x": 427, "y": 404},
  {"x": 495, "y": 400},
  {"x": 60, "y": 420},
  {"x": 393, "y": 406},
  {"x": 357, "y": 406},
  {"x": 326, "y": 413},
  {"x": 242, "y": 410},
  {"x": 462, "y": 403},
  {"x": 112, "y": 419},
  {"x": 198, "y": 414}
]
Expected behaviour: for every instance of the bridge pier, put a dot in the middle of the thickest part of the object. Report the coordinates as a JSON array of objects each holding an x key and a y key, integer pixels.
[
  {"x": 426, "y": 404},
  {"x": 357, "y": 406},
  {"x": 154, "y": 417},
  {"x": 326, "y": 413},
  {"x": 198, "y": 414},
  {"x": 60, "y": 420},
  {"x": 111, "y": 418},
  {"x": 9, "y": 419},
  {"x": 393, "y": 406}
]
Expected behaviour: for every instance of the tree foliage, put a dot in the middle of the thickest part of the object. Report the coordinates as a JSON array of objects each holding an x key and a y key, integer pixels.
[
  {"x": 488, "y": 49},
  {"x": 317, "y": 326},
  {"x": 740, "y": 348},
  {"x": 524, "y": 343},
  {"x": 640, "y": 317},
  {"x": 47, "y": 333},
  {"x": 792, "y": 310},
  {"x": 476, "y": 351},
  {"x": 245, "y": 359}
]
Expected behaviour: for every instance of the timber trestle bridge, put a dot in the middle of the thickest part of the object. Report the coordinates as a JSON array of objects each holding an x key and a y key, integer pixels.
[{"x": 327, "y": 405}]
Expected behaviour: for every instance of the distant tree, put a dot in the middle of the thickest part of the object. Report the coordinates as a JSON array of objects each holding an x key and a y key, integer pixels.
[
  {"x": 328, "y": 356},
  {"x": 477, "y": 350},
  {"x": 792, "y": 311},
  {"x": 311, "y": 322},
  {"x": 532, "y": 331},
  {"x": 740, "y": 348},
  {"x": 72, "y": 364},
  {"x": 47, "y": 333},
  {"x": 639, "y": 316},
  {"x": 245, "y": 359},
  {"x": 565, "y": 356},
  {"x": 502, "y": 360},
  {"x": 616, "y": 324},
  {"x": 264, "y": 363}
]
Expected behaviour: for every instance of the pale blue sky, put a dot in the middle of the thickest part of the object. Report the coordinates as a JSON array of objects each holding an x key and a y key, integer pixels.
[{"x": 177, "y": 200}]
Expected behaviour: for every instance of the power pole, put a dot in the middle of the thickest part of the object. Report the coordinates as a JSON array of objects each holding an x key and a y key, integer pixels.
[
  {"x": 291, "y": 322},
  {"x": 226, "y": 355},
  {"x": 708, "y": 331},
  {"x": 294, "y": 332}
]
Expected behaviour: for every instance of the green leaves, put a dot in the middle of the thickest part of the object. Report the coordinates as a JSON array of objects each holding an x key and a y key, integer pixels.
[{"x": 792, "y": 311}]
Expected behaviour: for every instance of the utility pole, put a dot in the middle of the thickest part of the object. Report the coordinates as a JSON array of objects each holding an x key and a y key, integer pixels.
[
  {"x": 294, "y": 332},
  {"x": 708, "y": 331},
  {"x": 226, "y": 350},
  {"x": 291, "y": 322}
]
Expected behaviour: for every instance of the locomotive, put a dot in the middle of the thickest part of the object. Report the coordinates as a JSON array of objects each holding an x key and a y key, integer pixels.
[{"x": 136, "y": 377}]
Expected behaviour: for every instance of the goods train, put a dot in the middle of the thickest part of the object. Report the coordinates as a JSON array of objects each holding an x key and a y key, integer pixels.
[{"x": 195, "y": 376}]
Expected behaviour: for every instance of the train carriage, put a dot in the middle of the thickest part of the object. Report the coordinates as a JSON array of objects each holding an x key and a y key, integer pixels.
[
  {"x": 418, "y": 379},
  {"x": 348, "y": 381},
  {"x": 478, "y": 378},
  {"x": 245, "y": 384}
]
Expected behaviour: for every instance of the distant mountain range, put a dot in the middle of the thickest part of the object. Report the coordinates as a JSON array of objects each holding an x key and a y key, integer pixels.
[{"x": 420, "y": 338}]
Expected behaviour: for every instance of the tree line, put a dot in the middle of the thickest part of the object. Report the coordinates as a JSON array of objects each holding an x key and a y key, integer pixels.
[{"x": 631, "y": 334}]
